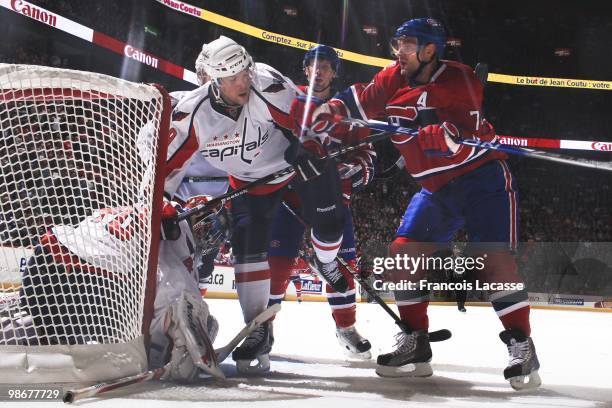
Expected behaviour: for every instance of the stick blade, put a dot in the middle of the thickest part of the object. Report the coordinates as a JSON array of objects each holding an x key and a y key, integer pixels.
[
  {"x": 482, "y": 72},
  {"x": 225, "y": 351}
]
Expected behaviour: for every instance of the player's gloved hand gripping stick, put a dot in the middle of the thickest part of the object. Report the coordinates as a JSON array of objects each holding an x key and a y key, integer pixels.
[
  {"x": 495, "y": 144},
  {"x": 273, "y": 176}
]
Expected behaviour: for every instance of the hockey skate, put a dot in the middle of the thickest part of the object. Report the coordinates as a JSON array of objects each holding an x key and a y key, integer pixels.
[
  {"x": 331, "y": 273},
  {"x": 410, "y": 358},
  {"x": 355, "y": 345},
  {"x": 522, "y": 370},
  {"x": 255, "y": 348}
]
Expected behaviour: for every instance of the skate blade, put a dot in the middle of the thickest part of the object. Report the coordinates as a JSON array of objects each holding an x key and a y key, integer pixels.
[
  {"x": 408, "y": 370},
  {"x": 355, "y": 355},
  {"x": 519, "y": 383},
  {"x": 262, "y": 365}
]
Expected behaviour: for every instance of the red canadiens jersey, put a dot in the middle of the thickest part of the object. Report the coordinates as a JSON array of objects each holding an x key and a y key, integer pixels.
[{"x": 456, "y": 95}]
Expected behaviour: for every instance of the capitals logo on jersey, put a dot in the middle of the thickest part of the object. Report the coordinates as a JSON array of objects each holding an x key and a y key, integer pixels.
[{"x": 246, "y": 146}]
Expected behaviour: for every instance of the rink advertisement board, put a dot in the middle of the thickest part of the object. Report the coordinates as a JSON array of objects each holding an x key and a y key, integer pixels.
[
  {"x": 12, "y": 263},
  {"x": 223, "y": 285}
]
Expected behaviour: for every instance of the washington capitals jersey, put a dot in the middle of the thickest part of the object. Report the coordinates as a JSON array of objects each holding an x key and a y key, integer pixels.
[
  {"x": 453, "y": 92},
  {"x": 199, "y": 169},
  {"x": 248, "y": 146}
]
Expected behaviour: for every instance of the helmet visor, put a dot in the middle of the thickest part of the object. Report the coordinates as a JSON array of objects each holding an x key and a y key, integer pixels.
[
  {"x": 246, "y": 75},
  {"x": 404, "y": 45}
]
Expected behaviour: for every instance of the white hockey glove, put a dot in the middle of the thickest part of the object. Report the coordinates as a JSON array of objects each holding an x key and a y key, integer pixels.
[{"x": 192, "y": 330}]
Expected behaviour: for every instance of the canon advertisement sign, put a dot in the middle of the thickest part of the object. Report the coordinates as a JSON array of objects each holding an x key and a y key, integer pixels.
[
  {"x": 603, "y": 146},
  {"x": 138, "y": 55},
  {"x": 34, "y": 12}
]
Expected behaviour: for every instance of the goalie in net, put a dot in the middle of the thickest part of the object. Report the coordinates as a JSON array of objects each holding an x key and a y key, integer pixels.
[{"x": 84, "y": 285}]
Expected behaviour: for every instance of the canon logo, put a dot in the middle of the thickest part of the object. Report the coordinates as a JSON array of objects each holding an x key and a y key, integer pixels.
[
  {"x": 34, "y": 12},
  {"x": 512, "y": 141},
  {"x": 140, "y": 56},
  {"x": 603, "y": 146}
]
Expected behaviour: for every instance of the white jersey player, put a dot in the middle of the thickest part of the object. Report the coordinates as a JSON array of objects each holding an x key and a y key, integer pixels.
[
  {"x": 201, "y": 179},
  {"x": 239, "y": 122},
  {"x": 235, "y": 145}
]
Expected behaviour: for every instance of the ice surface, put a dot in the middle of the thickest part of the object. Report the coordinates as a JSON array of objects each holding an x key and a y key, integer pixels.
[{"x": 309, "y": 368}]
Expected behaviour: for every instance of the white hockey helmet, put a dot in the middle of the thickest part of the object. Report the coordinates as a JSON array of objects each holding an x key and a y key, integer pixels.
[
  {"x": 200, "y": 65},
  {"x": 224, "y": 57}
]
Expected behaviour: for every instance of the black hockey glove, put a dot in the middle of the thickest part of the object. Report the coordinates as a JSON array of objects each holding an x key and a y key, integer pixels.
[
  {"x": 306, "y": 158},
  {"x": 170, "y": 229}
]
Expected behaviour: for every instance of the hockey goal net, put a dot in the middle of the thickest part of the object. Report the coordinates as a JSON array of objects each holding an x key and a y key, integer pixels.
[{"x": 81, "y": 162}]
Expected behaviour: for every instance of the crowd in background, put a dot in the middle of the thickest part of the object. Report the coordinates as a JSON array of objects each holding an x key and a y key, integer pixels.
[
  {"x": 574, "y": 207},
  {"x": 557, "y": 202}
]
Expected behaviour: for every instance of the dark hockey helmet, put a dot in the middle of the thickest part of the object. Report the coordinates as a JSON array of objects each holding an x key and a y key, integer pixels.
[
  {"x": 426, "y": 31},
  {"x": 322, "y": 52},
  {"x": 211, "y": 228}
]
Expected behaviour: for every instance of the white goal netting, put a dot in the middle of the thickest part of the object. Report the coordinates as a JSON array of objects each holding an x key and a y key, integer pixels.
[{"x": 78, "y": 166}]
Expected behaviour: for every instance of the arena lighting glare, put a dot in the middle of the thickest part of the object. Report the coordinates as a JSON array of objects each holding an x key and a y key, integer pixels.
[
  {"x": 290, "y": 11},
  {"x": 370, "y": 30},
  {"x": 563, "y": 52}
]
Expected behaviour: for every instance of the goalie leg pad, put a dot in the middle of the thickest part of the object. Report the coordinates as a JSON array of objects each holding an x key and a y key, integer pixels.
[{"x": 192, "y": 331}]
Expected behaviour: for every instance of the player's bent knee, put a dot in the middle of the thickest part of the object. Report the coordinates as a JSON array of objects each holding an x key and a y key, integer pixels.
[
  {"x": 409, "y": 256},
  {"x": 499, "y": 266},
  {"x": 331, "y": 229}
]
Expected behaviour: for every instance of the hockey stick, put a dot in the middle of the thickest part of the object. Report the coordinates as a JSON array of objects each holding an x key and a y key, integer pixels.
[
  {"x": 222, "y": 353},
  {"x": 101, "y": 388},
  {"x": 438, "y": 335},
  {"x": 482, "y": 73},
  {"x": 536, "y": 154},
  {"x": 222, "y": 199},
  {"x": 198, "y": 179},
  {"x": 561, "y": 144}
]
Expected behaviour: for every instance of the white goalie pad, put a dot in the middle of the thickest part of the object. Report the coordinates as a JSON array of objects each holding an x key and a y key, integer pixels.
[{"x": 192, "y": 331}]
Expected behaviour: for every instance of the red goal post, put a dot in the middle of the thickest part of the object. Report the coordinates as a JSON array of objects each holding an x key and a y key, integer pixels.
[{"x": 75, "y": 147}]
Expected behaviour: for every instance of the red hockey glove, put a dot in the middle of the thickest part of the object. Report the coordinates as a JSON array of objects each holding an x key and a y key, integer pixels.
[
  {"x": 170, "y": 229},
  {"x": 316, "y": 116},
  {"x": 485, "y": 132},
  {"x": 439, "y": 140},
  {"x": 355, "y": 174}
]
